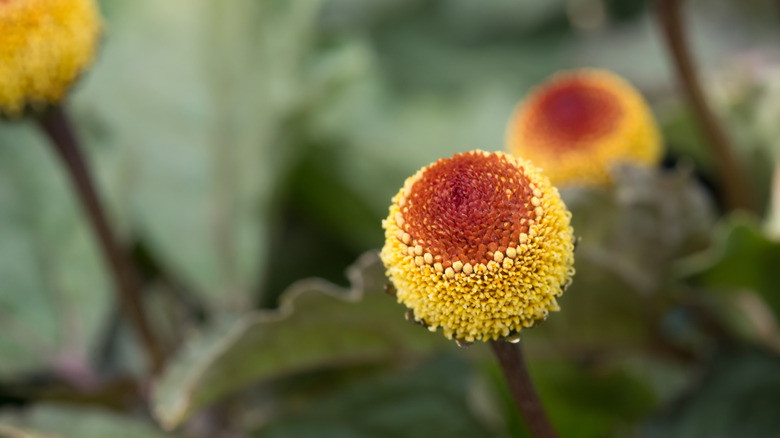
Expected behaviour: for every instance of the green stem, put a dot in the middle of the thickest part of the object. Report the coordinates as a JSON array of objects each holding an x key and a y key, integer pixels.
[
  {"x": 510, "y": 357},
  {"x": 736, "y": 191},
  {"x": 56, "y": 126}
]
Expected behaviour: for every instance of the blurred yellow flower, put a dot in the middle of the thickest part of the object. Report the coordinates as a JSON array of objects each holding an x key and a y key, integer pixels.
[
  {"x": 479, "y": 245},
  {"x": 578, "y": 124},
  {"x": 44, "y": 46}
]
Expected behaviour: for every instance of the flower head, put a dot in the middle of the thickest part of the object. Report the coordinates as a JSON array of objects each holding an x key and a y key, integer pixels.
[
  {"x": 478, "y": 244},
  {"x": 578, "y": 124},
  {"x": 44, "y": 46}
]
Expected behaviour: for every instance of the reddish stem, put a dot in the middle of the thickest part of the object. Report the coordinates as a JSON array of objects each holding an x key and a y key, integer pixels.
[
  {"x": 56, "y": 126},
  {"x": 510, "y": 357},
  {"x": 736, "y": 192}
]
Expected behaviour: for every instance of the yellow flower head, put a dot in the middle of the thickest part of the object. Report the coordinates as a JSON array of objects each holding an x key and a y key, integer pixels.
[
  {"x": 478, "y": 244},
  {"x": 578, "y": 124},
  {"x": 44, "y": 46}
]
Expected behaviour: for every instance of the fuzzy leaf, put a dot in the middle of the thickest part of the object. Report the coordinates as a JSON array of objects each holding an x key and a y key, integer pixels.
[
  {"x": 196, "y": 138},
  {"x": 317, "y": 325},
  {"x": 61, "y": 421}
]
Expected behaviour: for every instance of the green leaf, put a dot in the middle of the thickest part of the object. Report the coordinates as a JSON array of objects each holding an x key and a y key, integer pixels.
[
  {"x": 62, "y": 421},
  {"x": 581, "y": 400},
  {"x": 743, "y": 257},
  {"x": 631, "y": 235},
  {"x": 603, "y": 402},
  {"x": 54, "y": 295},
  {"x": 317, "y": 325},
  {"x": 639, "y": 227},
  {"x": 14, "y": 432},
  {"x": 683, "y": 136},
  {"x": 345, "y": 215},
  {"x": 738, "y": 396},
  {"x": 427, "y": 401},
  {"x": 195, "y": 118}
]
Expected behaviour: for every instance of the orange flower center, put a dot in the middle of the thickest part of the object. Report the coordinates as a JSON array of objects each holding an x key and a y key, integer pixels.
[
  {"x": 467, "y": 207},
  {"x": 573, "y": 111}
]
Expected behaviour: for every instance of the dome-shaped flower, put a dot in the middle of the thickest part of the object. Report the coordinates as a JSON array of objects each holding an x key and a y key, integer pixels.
[
  {"x": 44, "y": 46},
  {"x": 578, "y": 124},
  {"x": 478, "y": 244}
]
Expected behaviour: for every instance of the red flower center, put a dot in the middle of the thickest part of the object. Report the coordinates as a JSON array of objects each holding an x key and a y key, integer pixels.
[
  {"x": 466, "y": 207},
  {"x": 573, "y": 111}
]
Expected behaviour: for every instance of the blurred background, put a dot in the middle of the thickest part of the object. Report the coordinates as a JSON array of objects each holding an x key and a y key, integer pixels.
[{"x": 244, "y": 146}]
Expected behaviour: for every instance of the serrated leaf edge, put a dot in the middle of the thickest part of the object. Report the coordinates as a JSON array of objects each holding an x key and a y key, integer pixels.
[{"x": 171, "y": 416}]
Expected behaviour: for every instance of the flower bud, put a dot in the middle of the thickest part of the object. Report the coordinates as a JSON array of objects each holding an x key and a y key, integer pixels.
[
  {"x": 578, "y": 124},
  {"x": 44, "y": 46},
  {"x": 496, "y": 243}
]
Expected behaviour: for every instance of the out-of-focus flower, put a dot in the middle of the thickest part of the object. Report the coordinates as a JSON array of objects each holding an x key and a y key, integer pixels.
[
  {"x": 478, "y": 244},
  {"x": 44, "y": 46},
  {"x": 578, "y": 124}
]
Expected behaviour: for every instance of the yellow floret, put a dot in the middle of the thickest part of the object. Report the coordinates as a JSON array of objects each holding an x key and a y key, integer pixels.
[
  {"x": 44, "y": 46},
  {"x": 496, "y": 298}
]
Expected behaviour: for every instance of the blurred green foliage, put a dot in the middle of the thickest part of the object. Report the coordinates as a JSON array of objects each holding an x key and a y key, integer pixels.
[
  {"x": 431, "y": 400},
  {"x": 243, "y": 147},
  {"x": 317, "y": 326},
  {"x": 737, "y": 396},
  {"x": 56, "y": 421},
  {"x": 52, "y": 305}
]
